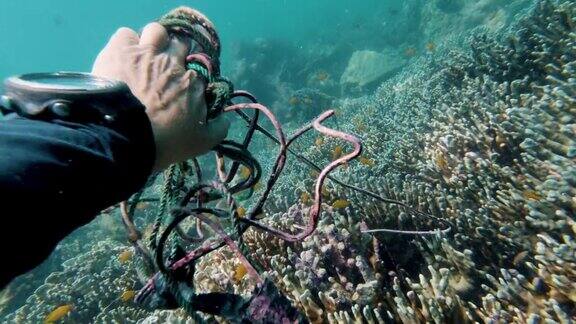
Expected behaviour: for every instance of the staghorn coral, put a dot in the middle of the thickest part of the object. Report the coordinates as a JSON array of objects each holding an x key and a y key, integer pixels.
[{"x": 496, "y": 130}]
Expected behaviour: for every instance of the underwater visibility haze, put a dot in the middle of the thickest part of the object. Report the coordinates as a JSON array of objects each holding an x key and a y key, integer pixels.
[{"x": 409, "y": 162}]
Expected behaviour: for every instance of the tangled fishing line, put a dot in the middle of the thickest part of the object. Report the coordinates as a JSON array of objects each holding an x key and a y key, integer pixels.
[{"x": 168, "y": 280}]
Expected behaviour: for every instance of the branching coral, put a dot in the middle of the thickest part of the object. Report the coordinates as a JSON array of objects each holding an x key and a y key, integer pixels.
[
  {"x": 484, "y": 139},
  {"x": 497, "y": 132},
  {"x": 91, "y": 283}
]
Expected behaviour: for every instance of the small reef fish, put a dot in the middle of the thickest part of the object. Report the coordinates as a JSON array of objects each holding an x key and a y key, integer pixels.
[
  {"x": 58, "y": 313},
  {"x": 440, "y": 161},
  {"x": 319, "y": 141},
  {"x": 366, "y": 161},
  {"x": 294, "y": 101},
  {"x": 241, "y": 211},
  {"x": 244, "y": 172},
  {"x": 337, "y": 152},
  {"x": 305, "y": 197},
  {"x": 125, "y": 256},
  {"x": 322, "y": 76},
  {"x": 239, "y": 272},
  {"x": 532, "y": 195},
  {"x": 128, "y": 295},
  {"x": 430, "y": 47},
  {"x": 340, "y": 203}
]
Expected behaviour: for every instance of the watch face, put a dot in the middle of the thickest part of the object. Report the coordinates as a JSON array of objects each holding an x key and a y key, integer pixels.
[{"x": 67, "y": 81}]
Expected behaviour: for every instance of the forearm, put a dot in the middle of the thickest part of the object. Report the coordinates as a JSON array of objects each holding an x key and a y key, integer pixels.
[{"x": 56, "y": 175}]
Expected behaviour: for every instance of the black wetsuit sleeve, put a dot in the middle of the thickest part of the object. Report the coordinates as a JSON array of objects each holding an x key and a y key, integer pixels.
[{"x": 56, "y": 175}]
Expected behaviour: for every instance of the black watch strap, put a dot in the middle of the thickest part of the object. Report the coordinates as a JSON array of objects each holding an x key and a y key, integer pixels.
[{"x": 104, "y": 102}]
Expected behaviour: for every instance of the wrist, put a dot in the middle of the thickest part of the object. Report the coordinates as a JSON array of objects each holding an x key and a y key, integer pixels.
[{"x": 97, "y": 103}]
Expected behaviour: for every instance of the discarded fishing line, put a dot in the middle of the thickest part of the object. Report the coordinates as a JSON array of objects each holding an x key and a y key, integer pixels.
[{"x": 166, "y": 268}]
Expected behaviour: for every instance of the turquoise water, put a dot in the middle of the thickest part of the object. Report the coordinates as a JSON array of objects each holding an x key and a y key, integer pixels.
[
  {"x": 466, "y": 114},
  {"x": 68, "y": 34}
]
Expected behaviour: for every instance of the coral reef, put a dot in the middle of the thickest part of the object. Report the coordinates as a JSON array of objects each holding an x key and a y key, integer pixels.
[
  {"x": 484, "y": 138},
  {"x": 487, "y": 141},
  {"x": 95, "y": 284}
]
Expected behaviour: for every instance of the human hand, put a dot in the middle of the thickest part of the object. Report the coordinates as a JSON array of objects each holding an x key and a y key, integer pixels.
[{"x": 153, "y": 67}]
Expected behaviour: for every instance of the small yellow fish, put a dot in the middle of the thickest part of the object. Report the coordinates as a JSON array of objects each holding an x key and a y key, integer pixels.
[
  {"x": 337, "y": 152},
  {"x": 440, "y": 161},
  {"x": 241, "y": 211},
  {"x": 244, "y": 172},
  {"x": 366, "y": 161},
  {"x": 128, "y": 295},
  {"x": 319, "y": 141},
  {"x": 322, "y": 76},
  {"x": 58, "y": 313},
  {"x": 239, "y": 272},
  {"x": 430, "y": 47},
  {"x": 305, "y": 197},
  {"x": 340, "y": 203},
  {"x": 125, "y": 256},
  {"x": 531, "y": 195},
  {"x": 294, "y": 101}
]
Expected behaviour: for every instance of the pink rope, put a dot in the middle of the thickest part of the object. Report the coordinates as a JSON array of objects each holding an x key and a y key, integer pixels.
[{"x": 317, "y": 206}]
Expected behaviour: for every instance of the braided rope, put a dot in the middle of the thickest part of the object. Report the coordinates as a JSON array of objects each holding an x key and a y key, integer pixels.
[
  {"x": 191, "y": 23},
  {"x": 165, "y": 196},
  {"x": 191, "y": 20}
]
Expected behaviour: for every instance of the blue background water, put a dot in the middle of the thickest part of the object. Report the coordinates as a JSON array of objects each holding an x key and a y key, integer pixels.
[{"x": 49, "y": 35}]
